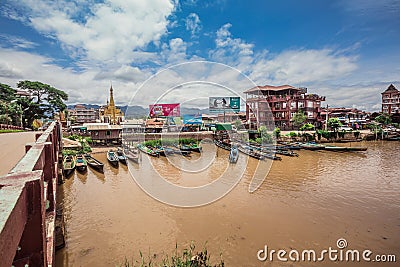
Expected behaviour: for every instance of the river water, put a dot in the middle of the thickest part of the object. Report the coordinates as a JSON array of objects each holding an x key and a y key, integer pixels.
[{"x": 306, "y": 202}]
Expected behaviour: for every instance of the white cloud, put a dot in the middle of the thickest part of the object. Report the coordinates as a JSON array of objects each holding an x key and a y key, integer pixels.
[
  {"x": 232, "y": 51},
  {"x": 17, "y": 42},
  {"x": 303, "y": 66},
  {"x": 108, "y": 32},
  {"x": 82, "y": 87},
  {"x": 193, "y": 23}
]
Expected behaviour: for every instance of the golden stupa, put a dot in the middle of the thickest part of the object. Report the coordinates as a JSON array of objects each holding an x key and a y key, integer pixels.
[{"x": 110, "y": 113}]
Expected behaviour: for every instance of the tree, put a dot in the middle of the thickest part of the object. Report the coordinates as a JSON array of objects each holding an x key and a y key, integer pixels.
[
  {"x": 10, "y": 110},
  {"x": 307, "y": 127},
  {"x": 334, "y": 124},
  {"x": 299, "y": 118},
  {"x": 6, "y": 92},
  {"x": 46, "y": 101},
  {"x": 384, "y": 119}
]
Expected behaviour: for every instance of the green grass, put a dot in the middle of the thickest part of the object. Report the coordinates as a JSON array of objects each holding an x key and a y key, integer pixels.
[
  {"x": 10, "y": 131},
  {"x": 185, "y": 258},
  {"x": 169, "y": 142}
]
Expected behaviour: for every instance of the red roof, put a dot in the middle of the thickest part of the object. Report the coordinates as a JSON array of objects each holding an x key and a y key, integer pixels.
[
  {"x": 270, "y": 87},
  {"x": 391, "y": 89}
]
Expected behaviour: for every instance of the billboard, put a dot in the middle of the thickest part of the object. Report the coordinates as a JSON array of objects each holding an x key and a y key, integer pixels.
[
  {"x": 165, "y": 110},
  {"x": 192, "y": 119},
  {"x": 221, "y": 104}
]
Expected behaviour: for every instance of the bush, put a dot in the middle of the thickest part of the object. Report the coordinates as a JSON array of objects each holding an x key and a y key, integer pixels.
[
  {"x": 277, "y": 132},
  {"x": 185, "y": 258}
]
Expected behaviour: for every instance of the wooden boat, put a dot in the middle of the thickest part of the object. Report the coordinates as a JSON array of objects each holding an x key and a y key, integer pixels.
[
  {"x": 312, "y": 146},
  {"x": 147, "y": 150},
  {"x": 112, "y": 158},
  {"x": 194, "y": 147},
  {"x": 132, "y": 155},
  {"x": 234, "y": 154},
  {"x": 68, "y": 165},
  {"x": 222, "y": 145},
  {"x": 121, "y": 156},
  {"x": 343, "y": 148},
  {"x": 250, "y": 152},
  {"x": 81, "y": 164},
  {"x": 94, "y": 163}
]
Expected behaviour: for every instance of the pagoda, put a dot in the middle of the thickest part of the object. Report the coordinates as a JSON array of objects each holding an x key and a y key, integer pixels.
[{"x": 110, "y": 113}]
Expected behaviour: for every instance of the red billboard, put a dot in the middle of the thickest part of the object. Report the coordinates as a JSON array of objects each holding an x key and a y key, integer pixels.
[{"x": 165, "y": 110}]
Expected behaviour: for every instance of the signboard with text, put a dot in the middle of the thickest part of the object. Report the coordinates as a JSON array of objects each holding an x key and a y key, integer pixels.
[
  {"x": 224, "y": 104},
  {"x": 165, "y": 110},
  {"x": 192, "y": 119}
]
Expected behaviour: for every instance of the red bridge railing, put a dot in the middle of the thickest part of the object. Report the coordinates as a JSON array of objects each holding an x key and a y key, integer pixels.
[{"x": 28, "y": 204}]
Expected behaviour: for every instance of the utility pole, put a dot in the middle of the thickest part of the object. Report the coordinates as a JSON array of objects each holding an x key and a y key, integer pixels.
[{"x": 326, "y": 119}]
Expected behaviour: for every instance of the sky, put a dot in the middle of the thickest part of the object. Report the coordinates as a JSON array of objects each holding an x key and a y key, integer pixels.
[{"x": 346, "y": 50}]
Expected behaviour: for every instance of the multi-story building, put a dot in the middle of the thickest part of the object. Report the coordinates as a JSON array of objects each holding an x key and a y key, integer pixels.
[
  {"x": 81, "y": 114},
  {"x": 352, "y": 117},
  {"x": 391, "y": 100},
  {"x": 276, "y": 105}
]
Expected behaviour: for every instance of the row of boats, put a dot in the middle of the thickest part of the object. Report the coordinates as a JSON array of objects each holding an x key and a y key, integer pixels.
[
  {"x": 274, "y": 152},
  {"x": 184, "y": 150},
  {"x": 80, "y": 162}
]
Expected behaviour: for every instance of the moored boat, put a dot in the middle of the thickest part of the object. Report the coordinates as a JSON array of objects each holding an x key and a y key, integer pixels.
[
  {"x": 121, "y": 156},
  {"x": 112, "y": 158},
  {"x": 132, "y": 155},
  {"x": 147, "y": 150},
  {"x": 344, "y": 148},
  {"x": 234, "y": 154},
  {"x": 94, "y": 163},
  {"x": 68, "y": 165},
  {"x": 81, "y": 164}
]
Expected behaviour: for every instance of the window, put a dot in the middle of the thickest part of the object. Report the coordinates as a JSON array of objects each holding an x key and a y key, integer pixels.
[
  {"x": 284, "y": 105},
  {"x": 310, "y": 104},
  {"x": 301, "y": 104}
]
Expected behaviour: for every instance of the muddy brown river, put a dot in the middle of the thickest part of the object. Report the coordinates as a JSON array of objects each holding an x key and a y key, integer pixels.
[{"x": 305, "y": 203}]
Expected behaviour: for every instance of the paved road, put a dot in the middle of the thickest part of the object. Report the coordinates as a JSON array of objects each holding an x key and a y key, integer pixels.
[{"x": 12, "y": 149}]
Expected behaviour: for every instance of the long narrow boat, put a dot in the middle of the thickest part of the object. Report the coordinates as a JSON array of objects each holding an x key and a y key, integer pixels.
[
  {"x": 81, "y": 164},
  {"x": 222, "y": 145},
  {"x": 312, "y": 146},
  {"x": 234, "y": 154},
  {"x": 132, "y": 155},
  {"x": 194, "y": 147},
  {"x": 94, "y": 163},
  {"x": 121, "y": 156},
  {"x": 343, "y": 148},
  {"x": 112, "y": 158},
  {"x": 147, "y": 150},
  {"x": 68, "y": 165}
]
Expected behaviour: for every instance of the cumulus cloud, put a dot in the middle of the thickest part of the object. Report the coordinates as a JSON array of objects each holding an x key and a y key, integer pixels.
[
  {"x": 232, "y": 51},
  {"x": 193, "y": 23},
  {"x": 82, "y": 87},
  {"x": 109, "y": 31}
]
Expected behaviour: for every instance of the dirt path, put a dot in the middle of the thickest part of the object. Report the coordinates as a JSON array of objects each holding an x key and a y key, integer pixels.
[{"x": 12, "y": 149}]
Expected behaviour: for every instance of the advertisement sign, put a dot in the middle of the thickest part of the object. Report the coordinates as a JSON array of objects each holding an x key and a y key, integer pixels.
[
  {"x": 192, "y": 119},
  {"x": 165, "y": 110},
  {"x": 221, "y": 104}
]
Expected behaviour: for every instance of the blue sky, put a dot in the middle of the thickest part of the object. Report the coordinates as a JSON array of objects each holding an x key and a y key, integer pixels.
[{"x": 348, "y": 51}]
